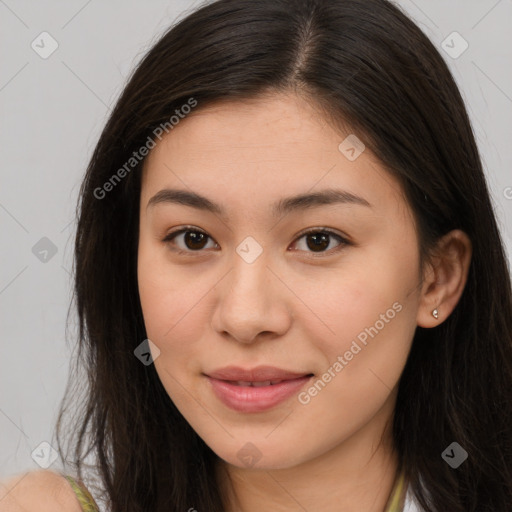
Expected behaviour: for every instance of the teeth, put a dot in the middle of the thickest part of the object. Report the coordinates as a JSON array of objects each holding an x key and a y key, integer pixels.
[{"x": 257, "y": 384}]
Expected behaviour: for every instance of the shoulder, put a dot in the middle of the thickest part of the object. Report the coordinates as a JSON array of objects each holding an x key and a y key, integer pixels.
[{"x": 41, "y": 491}]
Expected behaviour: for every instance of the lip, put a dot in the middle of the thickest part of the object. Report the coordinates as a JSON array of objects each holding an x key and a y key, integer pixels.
[{"x": 243, "y": 398}]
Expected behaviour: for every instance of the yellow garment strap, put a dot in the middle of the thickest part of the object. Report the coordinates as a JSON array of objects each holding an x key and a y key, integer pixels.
[
  {"x": 396, "y": 500},
  {"x": 84, "y": 496},
  {"x": 395, "y": 503}
]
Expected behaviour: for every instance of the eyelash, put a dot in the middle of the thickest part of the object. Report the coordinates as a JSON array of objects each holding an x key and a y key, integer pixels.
[{"x": 343, "y": 241}]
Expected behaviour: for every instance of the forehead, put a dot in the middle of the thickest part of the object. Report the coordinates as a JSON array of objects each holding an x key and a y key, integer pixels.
[
  {"x": 264, "y": 148},
  {"x": 267, "y": 125}
]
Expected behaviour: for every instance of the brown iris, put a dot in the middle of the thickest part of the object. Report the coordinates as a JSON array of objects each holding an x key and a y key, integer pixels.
[
  {"x": 195, "y": 239},
  {"x": 320, "y": 241}
]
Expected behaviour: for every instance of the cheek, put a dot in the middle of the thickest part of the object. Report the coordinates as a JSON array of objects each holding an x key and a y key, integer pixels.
[
  {"x": 365, "y": 313},
  {"x": 373, "y": 321},
  {"x": 170, "y": 302},
  {"x": 173, "y": 317}
]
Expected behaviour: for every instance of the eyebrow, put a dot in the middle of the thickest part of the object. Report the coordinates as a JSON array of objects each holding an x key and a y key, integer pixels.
[{"x": 280, "y": 207}]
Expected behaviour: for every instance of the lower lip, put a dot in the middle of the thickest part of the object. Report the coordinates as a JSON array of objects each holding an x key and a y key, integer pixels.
[{"x": 255, "y": 399}]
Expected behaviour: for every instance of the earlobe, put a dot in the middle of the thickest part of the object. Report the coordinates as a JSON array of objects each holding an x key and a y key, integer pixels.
[{"x": 447, "y": 279}]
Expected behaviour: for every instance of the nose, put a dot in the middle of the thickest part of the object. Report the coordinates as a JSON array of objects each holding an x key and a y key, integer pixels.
[{"x": 251, "y": 303}]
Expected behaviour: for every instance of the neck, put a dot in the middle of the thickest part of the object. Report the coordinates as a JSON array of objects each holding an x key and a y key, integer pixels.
[{"x": 355, "y": 476}]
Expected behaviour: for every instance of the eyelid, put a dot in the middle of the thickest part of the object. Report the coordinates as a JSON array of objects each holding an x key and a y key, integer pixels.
[
  {"x": 344, "y": 240},
  {"x": 322, "y": 229}
]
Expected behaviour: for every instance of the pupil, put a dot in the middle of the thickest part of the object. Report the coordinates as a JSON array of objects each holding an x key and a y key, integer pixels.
[
  {"x": 192, "y": 237},
  {"x": 320, "y": 241}
]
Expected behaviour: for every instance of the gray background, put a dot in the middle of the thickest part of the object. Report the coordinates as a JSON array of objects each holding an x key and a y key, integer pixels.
[{"x": 52, "y": 111}]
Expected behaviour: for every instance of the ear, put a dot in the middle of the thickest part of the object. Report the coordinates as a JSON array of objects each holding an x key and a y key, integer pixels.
[{"x": 444, "y": 278}]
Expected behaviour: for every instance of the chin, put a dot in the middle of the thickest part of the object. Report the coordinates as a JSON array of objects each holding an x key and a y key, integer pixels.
[{"x": 263, "y": 455}]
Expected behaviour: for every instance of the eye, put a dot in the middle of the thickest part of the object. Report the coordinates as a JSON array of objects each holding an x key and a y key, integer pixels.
[
  {"x": 317, "y": 240},
  {"x": 193, "y": 238}
]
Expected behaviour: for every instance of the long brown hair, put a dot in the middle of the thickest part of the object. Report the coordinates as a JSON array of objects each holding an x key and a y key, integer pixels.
[{"x": 363, "y": 63}]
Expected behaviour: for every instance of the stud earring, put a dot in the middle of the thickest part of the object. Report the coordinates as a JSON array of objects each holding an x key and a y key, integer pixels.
[{"x": 435, "y": 313}]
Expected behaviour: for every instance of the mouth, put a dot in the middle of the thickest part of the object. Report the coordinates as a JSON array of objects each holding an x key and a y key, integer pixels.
[{"x": 257, "y": 389}]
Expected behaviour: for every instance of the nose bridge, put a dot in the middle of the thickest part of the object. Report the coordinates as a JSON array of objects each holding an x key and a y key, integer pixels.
[{"x": 249, "y": 280}]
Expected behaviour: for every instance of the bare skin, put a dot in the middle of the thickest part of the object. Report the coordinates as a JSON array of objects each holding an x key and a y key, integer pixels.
[
  {"x": 293, "y": 307},
  {"x": 41, "y": 491}
]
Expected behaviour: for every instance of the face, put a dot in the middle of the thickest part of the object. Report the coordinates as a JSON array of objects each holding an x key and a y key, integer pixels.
[{"x": 324, "y": 291}]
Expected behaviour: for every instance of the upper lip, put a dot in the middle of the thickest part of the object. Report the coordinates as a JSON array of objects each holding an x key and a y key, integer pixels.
[{"x": 257, "y": 374}]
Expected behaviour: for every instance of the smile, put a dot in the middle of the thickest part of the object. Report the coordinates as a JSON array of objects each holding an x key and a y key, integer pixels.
[{"x": 255, "y": 390}]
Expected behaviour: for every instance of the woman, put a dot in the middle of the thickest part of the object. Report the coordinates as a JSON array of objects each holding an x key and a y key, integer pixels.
[{"x": 292, "y": 290}]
